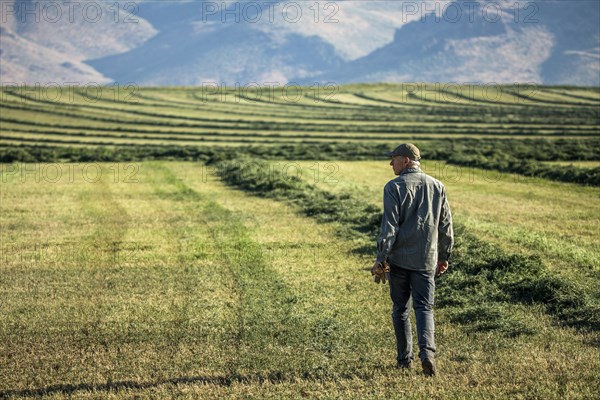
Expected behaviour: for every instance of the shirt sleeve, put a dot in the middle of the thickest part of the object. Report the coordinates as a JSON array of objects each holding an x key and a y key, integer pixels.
[
  {"x": 445, "y": 231},
  {"x": 389, "y": 223}
]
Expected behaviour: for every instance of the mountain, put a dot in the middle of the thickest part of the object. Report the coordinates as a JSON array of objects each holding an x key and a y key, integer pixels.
[
  {"x": 575, "y": 57},
  {"x": 245, "y": 42},
  {"x": 550, "y": 42},
  {"x": 48, "y": 42},
  {"x": 23, "y": 60},
  {"x": 189, "y": 52}
]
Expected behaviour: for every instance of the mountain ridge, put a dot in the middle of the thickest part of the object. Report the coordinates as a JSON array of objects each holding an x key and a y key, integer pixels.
[{"x": 180, "y": 43}]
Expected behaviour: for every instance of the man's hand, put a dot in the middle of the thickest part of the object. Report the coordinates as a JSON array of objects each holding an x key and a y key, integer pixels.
[
  {"x": 381, "y": 271},
  {"x": 441, "y": 268}
]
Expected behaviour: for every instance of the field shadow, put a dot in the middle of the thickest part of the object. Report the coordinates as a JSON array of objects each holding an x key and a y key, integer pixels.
[
  {"x": 274, "y": 377},
  {"x": 115, "y": 386}
]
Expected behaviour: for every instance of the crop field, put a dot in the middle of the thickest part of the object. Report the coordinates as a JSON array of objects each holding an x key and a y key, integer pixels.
[
  {"x": 204, "y": 243},
  {"x": 373, "y": 113}
]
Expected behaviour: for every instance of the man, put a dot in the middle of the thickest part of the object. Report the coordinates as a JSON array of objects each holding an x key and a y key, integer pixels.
[{"x": 416, "y": 241}]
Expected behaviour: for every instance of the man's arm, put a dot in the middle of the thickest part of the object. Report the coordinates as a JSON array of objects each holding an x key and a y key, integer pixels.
[
  {"x": 445, "y": 232},
  {"x": 389, "y": 223}
]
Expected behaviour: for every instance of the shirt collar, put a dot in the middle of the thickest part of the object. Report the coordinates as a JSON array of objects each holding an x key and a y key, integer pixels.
[{"x": 411, "y": 170}]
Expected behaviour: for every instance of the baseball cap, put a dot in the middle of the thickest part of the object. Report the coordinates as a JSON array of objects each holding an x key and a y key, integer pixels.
[{"x": 407, "y": 150}]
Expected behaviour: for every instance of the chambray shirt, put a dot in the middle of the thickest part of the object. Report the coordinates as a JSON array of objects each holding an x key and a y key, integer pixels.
[{"x": 416, "y": 228}]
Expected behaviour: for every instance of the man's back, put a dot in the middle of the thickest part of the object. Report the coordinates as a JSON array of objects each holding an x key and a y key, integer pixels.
[
  {"x": 417, "y": 221},
  {"x": 416, "y": 240}
]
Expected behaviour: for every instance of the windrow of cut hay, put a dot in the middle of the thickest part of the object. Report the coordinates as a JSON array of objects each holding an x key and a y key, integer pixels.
[
  {"x": 526, "y": 157},
  {"x": 187, "y": 116}
]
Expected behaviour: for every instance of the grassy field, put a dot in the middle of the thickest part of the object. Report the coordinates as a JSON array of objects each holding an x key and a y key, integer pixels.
[
  {"x": 168, "y": 283},
  {"x": 374, "y": 113},
  {"x": 580, "y": 164},
  {"x": 178, "y": 242},
  {"x": 559, "y": 221}
]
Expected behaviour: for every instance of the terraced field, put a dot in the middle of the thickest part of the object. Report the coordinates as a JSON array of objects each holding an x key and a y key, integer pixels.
[{"x": 181, "y": 243}]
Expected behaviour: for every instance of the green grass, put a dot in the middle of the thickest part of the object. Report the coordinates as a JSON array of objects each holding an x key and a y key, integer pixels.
[
  {"x": 248, "y": 277},
  {"x": 496, "y": 276},
  {"x": 552, "y": 117},
  {"x": 180, "y": 286},
  {"x": 579, "y": 164},
  {"x": 557, "y": 221},
  {"x": 353, "y": 113},
  {"x": 522, "y": 156}
]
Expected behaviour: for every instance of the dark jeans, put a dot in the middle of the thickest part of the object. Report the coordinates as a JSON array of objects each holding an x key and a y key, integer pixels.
[{"x": 421, "y": 285}]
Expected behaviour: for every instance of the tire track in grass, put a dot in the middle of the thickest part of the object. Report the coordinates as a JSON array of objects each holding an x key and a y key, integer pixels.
[
  {"x": 37, "y": 314},
  {"x": 323, "y": 275},
  {"x": 71, "y": 325},
  {"x": 104, "y": 333},
  {"x": 122, "y": 334},
  {"x": 95, "y": 332},
  {"x": 99, "y": 250},
  {"x": 193, "y": 339},
  {"x": 271, "y": 340}
]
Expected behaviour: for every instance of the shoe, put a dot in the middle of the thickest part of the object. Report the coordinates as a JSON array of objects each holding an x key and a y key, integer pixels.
[
  {"x": 428, "y": 365},
  {"x": 404, "y": 365}
]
